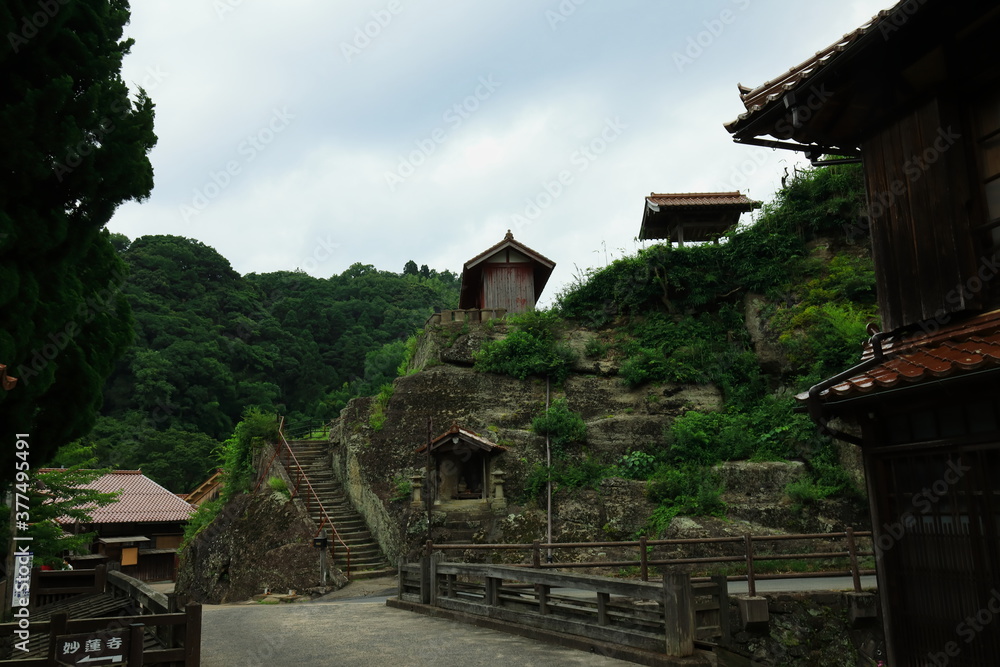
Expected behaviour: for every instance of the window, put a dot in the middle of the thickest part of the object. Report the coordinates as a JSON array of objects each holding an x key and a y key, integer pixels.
[{"x": 987, "y": 136}]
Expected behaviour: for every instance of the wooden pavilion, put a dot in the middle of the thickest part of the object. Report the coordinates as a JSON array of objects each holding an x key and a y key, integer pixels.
[{"x": 693, "y": 216}]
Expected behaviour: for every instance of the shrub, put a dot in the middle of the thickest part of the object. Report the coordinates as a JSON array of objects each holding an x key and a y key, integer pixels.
[
  {"x": 533, "y": 348},
  {"x": 636, "y": 465},
  {"x": 376, "y": 420},
  {"x": 561, "y": 425}
]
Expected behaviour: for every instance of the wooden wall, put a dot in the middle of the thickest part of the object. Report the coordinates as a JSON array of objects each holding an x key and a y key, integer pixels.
[{"x": 918, "y": 181}]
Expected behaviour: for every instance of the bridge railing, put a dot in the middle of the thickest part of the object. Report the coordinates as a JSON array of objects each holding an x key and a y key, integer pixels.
[
  {"x": 745, "y": 552},
  {"x": 599, "y": 608}
]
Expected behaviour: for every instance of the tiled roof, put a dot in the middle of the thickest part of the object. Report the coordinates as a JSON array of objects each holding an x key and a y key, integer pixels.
[
  {"x": 508, "y": 240},
  {"x": 683, "y": 199},
  {"x": 466, "y": 434},
  {"x": 771, "y": 92},
  {"x": 141, "y": 501},
  {"x": 973, "y": 345}
]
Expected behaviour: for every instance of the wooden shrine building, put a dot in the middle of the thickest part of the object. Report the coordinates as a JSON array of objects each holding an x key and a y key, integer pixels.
[
  {"x": 509, "y": 276},
  {"x": 462, "y": 466},
  {"x": 693, "y": 216},
  {"x": 915, "y": 96}
]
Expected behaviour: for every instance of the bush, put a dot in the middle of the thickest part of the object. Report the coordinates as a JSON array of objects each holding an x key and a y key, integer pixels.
[
  {"x": 636, "y": 465},
  {"x": 376, "y": 420},
  {"x": 532, "y": 349},
  {"x": 689, "y": 490},
  {"x": 561, "y": 425}
]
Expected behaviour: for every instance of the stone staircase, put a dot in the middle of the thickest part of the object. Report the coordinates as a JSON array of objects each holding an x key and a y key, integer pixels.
[{"x": 367, "y": 559}]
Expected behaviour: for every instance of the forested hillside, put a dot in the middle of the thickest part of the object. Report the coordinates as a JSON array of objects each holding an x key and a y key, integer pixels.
[{"x": 210, "y": 343}]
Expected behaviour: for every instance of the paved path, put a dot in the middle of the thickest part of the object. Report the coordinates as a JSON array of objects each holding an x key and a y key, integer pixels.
[
  {"x": 365, "y": 633},
  {"x": 353, "y": 628}
]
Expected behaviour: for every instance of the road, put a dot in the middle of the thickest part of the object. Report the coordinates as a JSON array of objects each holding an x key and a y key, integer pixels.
[{"x": 354, "y": 628}]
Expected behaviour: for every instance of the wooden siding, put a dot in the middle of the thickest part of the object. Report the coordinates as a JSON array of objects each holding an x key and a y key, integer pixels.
[
  {"x": 509, "y": 286},
  {"x": 918, "y": 196},
  {"x": 937, "y": 517}
]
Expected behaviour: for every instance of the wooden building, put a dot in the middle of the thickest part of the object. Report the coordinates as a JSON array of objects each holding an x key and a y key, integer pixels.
[
  {"x": 509, "y": 276},
  {"x": 913, "y": 94},
  {"x": 693, "y": 216},
  {"x": 462, "y": 466},
  {"x": 141, "y": 529}
]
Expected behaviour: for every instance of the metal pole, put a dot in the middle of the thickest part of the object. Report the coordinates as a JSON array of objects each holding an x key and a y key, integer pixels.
[
  {"x": 427, "y": 478},
  {"x": 322, "y": 558},
  {"x": 548, "y": 463}
]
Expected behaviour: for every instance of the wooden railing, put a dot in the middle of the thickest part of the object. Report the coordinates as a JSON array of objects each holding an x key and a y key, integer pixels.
[
  {"x": 178, "y": 633},
  {"x": 284, "y": 454},
  {"x": 602, "y": 609},
  {"x": 745, "y": 551},
  {"x": 48, "y": 586}
]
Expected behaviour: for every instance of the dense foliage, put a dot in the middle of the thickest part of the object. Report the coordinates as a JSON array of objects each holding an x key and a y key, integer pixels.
[
  {"x": 75, "y": 148},
  {"x": 679, "y": 315},
  {"x": 210, "y": 342},
  {"x": 532, "y": 348}
]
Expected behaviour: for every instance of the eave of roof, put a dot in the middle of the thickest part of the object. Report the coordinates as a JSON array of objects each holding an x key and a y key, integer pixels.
[
  {"x": 465, "y": 434},
  {"x": 702, "y": 200},
  {"x": 967, "y": 347}
]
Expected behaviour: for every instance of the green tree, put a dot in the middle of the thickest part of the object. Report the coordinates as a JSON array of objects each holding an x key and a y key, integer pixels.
[
  {"x": 75, "y": 148},
  {"x": 58, "y": 494}
]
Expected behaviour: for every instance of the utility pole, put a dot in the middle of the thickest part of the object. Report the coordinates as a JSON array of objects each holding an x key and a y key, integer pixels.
[{"x": 428, "y": 485}]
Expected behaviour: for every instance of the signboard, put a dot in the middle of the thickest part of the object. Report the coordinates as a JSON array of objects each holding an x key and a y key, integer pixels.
[
  {"x": 22, "y": 579},
  {"x": 105, "y": 647}
]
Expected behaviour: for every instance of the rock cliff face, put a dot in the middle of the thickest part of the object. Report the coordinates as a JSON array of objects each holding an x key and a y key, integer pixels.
[
  {"x": 378, "y": 466},
  {"x": 256, "y": 542}
]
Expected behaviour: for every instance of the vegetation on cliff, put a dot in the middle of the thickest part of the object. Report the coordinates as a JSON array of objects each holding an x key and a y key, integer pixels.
[{"x": 679, "y": 315}]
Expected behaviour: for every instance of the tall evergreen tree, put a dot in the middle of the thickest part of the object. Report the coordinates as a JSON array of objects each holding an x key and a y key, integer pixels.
[{"x": 74, "y": 147}]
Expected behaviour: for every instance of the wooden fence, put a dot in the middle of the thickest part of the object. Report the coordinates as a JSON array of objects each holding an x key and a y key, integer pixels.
[
  {"x": 666, "y": 618},
  {"x": 744, "y": 551},
  {"x": 159, "y": 634}
]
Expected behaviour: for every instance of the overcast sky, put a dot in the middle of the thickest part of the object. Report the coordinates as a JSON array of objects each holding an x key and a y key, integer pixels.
[{"x": 311, "y": 134}]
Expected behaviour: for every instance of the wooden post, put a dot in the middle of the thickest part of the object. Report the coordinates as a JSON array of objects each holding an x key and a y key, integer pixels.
[
  {"x": 57, "y": 626},
  {"x": 643, "y": 559},
  {"x": 678, "y": 612},
  {"x": 425, "y": 579},
  {"x": 751, "y": 584},
  {"x": 100, "y": 578},
  {"x": 543, "y": 598},
  {"x": 602, "y": 608},
  {"x": 435, "y": 559},
  {"x": 722, "y": 590},
  {"x": 135, "y": 645},
  {"x": 853, "y": 551},
  {"x": 192, "y": 636},
  {"x": 536, "y": 554},
  {"x": 492, "y": 591}
]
